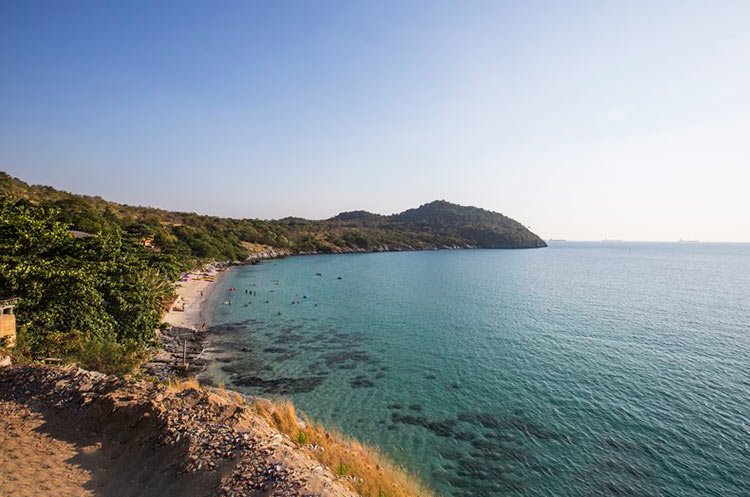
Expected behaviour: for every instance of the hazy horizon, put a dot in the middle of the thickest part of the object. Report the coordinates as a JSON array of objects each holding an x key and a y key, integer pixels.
[
  {"x": 584, "y": 122},
  {"x": 547, "y": 239}
]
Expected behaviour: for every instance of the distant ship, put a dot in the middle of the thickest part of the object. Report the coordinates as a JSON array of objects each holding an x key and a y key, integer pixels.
[
  {"x": 608, "y": 240},
  {"x": 689, "y": 241},
  {"x": 557, "y": 240}
]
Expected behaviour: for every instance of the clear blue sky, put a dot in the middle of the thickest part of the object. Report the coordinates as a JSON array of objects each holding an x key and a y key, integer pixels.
[{"x": 583, "y": 120}]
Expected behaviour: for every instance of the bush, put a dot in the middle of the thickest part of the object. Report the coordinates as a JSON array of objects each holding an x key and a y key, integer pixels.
[
  {"x": 21, "y": 352},
  {"x": 96, "y": 300},
  {"x": 107, "y": 356},
  {"x": 301, "y": 438}
]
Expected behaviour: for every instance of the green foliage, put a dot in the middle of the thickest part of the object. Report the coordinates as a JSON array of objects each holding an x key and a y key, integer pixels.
[
  {"x": 80, "y": 297},
  {"x": 190, "y": 237},
  {"x": 343, "y": 469},
  {"x": 107, "y": 356},
  {"x": 79, "y": 214},
  {"x": 21, "y": 352},
  {"x": 301, "y": 438}
]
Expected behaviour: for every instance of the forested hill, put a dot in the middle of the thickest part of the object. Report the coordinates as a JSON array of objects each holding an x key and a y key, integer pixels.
[
  {"x": 97, "y": 300},
  {"x": 443, "y": 224},
  {"x": 438, "y": 224}
]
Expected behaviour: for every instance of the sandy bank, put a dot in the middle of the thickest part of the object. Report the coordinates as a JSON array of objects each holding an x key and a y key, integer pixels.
[
  {"x": 79, "y": 433},
  {"x": 182, "y": 343},
  {"x": 188, "y": 310}
]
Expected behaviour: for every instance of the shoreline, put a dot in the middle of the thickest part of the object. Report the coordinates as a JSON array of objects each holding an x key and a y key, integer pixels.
[
  {"x": 188, "y": 309},
  {"x": 183, "y": 340},
  {"x": 184, "y": 352}
]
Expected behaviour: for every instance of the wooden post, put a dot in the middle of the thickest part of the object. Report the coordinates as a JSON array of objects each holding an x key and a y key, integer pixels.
[{"x": 184, "y": 351}]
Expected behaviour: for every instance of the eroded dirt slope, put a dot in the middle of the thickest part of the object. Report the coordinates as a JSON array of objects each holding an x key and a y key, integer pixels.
[{"x": 70, "y": 432}]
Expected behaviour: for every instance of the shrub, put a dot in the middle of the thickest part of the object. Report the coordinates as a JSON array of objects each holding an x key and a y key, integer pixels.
[
  {"x": 108, "y": 357},
  {"x": 95, "y": 300},
  {"x": 301, "y": 438}
]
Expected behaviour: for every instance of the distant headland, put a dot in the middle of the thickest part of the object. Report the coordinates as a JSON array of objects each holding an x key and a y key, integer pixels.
[{"x": 435, "y": 225}]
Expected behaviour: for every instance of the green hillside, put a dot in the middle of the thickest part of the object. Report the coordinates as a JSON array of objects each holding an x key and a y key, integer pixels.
[
  {"x": 435, "y": 225},
  {"x": 97, "y": 299}
]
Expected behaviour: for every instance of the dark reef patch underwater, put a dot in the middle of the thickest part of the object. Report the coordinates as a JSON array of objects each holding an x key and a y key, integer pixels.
[{"x": 577, "y": 370}]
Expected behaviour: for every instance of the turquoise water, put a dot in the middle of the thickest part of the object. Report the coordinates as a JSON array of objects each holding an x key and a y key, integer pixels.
[{"x": 580, "y": 369}]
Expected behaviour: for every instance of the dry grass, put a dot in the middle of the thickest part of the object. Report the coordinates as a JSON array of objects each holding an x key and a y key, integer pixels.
[
  {"x": 363, "y": 469},
  {"x": 230, "y": 395},
  {"x": 236, "y": 398},
  {"x": 180, "y": 384}
]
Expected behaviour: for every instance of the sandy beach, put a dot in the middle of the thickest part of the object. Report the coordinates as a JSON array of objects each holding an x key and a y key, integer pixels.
[
  {"x": 182, "y": 343},
  {"x": 187, "y": 311}
]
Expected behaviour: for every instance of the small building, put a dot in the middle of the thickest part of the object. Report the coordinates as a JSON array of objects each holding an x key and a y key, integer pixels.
[
  {"x": 80, "y": 234},
  {"x": 7, "y": 322}
]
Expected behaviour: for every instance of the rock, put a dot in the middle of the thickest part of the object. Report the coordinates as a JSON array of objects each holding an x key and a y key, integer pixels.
[{"x": 203, "y": 427}]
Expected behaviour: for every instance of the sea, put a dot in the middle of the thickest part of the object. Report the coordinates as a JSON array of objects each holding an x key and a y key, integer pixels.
[{"x": 580, "y": 369}]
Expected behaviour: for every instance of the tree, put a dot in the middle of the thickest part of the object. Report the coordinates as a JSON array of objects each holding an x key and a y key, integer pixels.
[{"x": 103, "y": 289}]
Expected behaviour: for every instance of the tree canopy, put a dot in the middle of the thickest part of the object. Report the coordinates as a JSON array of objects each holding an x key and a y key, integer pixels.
[{"x": 79, "y": 292}]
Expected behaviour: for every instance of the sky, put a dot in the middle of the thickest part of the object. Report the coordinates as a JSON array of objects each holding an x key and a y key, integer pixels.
[{"x": 582, "y": 120}]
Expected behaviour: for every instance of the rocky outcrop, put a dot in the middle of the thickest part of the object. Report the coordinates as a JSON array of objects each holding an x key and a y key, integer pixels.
[
  {"x": 152, "y": 441},
  {"x": 180, "y": 354},
  {"x": 268, "y": 253}
]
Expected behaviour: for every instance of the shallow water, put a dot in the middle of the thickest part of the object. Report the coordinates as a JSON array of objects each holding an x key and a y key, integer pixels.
[{"x": 579, "y": 369}]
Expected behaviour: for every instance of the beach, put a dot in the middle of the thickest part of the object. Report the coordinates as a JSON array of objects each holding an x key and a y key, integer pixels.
[
  {"x": 182, "y": 342},
  {"x": 192, "y": 290}
]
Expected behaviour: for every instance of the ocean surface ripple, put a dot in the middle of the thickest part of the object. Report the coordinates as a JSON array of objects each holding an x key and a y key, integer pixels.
[{"x": 581, "y": 369}]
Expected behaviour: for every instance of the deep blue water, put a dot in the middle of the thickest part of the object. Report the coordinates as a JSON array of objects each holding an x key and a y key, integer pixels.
[{"x": 579, "y": 369}]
